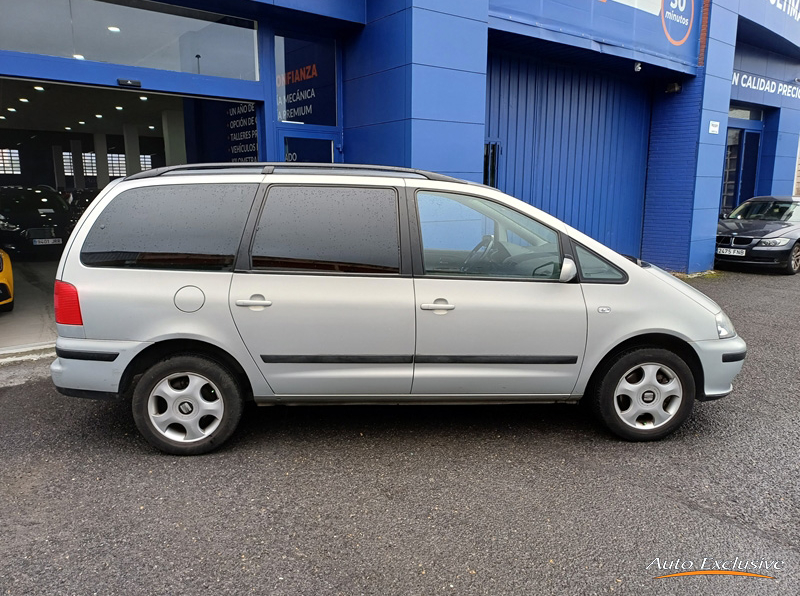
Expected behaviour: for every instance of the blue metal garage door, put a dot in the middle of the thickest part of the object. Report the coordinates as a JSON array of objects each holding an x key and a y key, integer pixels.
[{"x": 572, "y": 142}]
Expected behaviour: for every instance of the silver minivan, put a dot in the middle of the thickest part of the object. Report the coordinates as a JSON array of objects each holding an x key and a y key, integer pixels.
[{"x": 190, "y": 290}]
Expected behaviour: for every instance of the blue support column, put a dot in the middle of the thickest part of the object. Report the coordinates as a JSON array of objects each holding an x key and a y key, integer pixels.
[{"x": 415, "y": 86}]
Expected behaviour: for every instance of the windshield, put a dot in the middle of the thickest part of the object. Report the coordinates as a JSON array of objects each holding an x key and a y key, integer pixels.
[
  {"x": 15, "y": 201},
  {"x": 768, "y": 211}
]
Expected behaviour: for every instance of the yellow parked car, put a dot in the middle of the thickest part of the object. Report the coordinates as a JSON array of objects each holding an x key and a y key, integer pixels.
[{"x": 6, "y": 283}]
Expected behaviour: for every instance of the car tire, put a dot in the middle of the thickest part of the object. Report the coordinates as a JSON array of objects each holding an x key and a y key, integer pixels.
[
  {"x": 8, "y": 307},
  {"x": 187, "y": 405},
  {"x": 793, "y": 264},
  {"x": 644, "y": 394}
]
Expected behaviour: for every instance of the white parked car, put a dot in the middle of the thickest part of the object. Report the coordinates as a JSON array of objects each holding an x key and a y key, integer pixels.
[{"x": 192, "y": 289}]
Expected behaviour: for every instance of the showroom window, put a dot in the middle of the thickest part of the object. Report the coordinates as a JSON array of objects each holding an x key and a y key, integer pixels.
[
  {"x": 344, "y": 230},
  {"x": 134, "y": 33},
  {"x": 9, "y": 161},
  {"x": 306, "y": 81},
  {"x": 150, "y": 228},
  {"x": 473, "y": 237}
]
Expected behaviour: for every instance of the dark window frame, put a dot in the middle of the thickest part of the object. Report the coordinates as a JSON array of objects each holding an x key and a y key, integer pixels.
[{"x": 245, "y": 258}]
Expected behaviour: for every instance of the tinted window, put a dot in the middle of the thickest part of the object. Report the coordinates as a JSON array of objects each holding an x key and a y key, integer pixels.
[
  {"x": 351, "y": 230},
  {"x": 476, "y": 237},
  {"x": 182, "y": 226},
  {"x": 594, "y": 268}
]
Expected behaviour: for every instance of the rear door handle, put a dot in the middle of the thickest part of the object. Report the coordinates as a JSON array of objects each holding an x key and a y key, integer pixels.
[
  {"x": 253, "y": 302},
  {"x": 437, "y": 306}
]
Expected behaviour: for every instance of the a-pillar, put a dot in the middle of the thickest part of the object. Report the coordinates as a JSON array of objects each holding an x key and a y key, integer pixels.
[
  {"x": 101, "y": 158},
  {"x": 174, "y": 137},
  {"x": 132, "y": 163},
  {"x": 78, "y": 180}
]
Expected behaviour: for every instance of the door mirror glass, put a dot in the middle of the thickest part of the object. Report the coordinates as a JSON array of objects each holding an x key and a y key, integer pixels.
[{"x": 568, "y": 270}]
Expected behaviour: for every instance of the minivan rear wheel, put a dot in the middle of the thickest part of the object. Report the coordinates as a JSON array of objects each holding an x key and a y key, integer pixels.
[
  {"x": 187, "y": 405},
  {"x": 644, "y": 394}
]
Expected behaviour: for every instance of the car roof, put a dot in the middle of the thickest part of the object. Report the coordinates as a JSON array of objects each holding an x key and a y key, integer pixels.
[{"x": 794, "y": 199}]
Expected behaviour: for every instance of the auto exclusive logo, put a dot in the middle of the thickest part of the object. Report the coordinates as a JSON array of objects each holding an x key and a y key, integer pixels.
[{"x": 713, "y": 566}]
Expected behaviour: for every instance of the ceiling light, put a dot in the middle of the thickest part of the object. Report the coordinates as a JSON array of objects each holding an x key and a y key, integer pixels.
[
  {"x": 78, "y": 56},
  {"x": 43, "y": 200},
  {"x": 12, "y": 109},
  {"x": 81, "y": 122},
  {"x": 23, "y": 99},
  {"x": 119, "y": 107},
  {"x": 2, "y": 117},
  {"x": 151, "y": 127},
  {"x": 38, "y": 88},
  {"x": 113, "y": 29},
  {"x": 143, "y": 97},
  {"x": 98, "y": 115},
  {"x": 67, "y": 128}
]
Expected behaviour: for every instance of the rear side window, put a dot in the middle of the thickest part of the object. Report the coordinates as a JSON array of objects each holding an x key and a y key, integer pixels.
[
  {"x": 346, "y": 230},
  {"x": 180, "y": 226}
]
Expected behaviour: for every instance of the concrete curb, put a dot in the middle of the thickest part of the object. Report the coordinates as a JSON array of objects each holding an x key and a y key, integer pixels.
[{"x": 27, "y": 353}]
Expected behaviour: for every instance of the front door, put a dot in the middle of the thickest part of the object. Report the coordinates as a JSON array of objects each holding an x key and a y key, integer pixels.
[
  {"x": 492, "y": 317},
  {"x": 323, "y": 308}
]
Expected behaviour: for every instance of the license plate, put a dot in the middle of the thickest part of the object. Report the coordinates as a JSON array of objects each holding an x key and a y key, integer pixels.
[
  {"x": 38, "y": 241},
  {"x": 734, "y": 252}
]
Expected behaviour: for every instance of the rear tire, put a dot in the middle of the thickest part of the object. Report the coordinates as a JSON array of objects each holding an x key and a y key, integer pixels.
[
  {"x": 187, "y": 405},
  {"x": 644, "y": 394},
  {"x": 8, "y": 307}
]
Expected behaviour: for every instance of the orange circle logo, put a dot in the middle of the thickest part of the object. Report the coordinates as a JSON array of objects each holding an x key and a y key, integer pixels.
[{"x": 664, "y": 24}]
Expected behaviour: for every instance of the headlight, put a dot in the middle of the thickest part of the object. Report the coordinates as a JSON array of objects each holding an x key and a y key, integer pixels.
[
  {"x": 774, "y": 242},
  {"x": 724, "y": 326}
]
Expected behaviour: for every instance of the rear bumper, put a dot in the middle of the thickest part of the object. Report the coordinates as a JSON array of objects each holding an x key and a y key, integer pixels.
[
  {"x": 92, "y": 368},
  {"x": 722, "y": 359}
]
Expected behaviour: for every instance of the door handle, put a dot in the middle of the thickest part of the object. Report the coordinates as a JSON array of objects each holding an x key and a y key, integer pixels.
[
  {"x": 437, "y": 306},
  {"x": 251, "y": 302}
]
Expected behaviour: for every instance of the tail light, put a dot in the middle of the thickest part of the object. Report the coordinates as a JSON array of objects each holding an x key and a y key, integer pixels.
[{"x": 67, "y": 305}]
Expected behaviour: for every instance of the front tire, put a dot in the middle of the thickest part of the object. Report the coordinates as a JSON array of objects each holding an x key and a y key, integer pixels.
[
  {"x": 7, "y": 307},
  {"x": 793, "y": 264},
  {"x": 644, "y": 394},
  {"x": 187, "y": 405}
]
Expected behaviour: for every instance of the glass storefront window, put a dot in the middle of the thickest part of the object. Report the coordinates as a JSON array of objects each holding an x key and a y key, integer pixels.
[
  {"x": 746, "y": 113},
  {"x": 306, "y": 81},
  {"x": 133, "y": 33}
]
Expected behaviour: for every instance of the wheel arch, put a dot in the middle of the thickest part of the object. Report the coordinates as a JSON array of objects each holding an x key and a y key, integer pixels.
[
  {"x": 652, "y": 340},
  {"x": 172, "y": 347}
]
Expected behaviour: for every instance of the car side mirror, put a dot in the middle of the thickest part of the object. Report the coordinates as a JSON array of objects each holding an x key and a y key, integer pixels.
[{"x": 569, "y": 270}]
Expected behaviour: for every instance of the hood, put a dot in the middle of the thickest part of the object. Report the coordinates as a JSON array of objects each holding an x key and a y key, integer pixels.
[
  {"x": 755, "y": 228},
  {"x": 685, "y": 289}
]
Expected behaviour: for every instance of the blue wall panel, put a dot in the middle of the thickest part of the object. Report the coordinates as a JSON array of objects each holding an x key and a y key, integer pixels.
[{"x": 574, "y": 143}]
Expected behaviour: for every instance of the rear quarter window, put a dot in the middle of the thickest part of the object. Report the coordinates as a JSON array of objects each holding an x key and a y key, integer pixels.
[{"x": 178, "y": 226}]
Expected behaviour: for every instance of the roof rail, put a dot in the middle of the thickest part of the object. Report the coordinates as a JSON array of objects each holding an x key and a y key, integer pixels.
[{"x": 270, "y": 167}]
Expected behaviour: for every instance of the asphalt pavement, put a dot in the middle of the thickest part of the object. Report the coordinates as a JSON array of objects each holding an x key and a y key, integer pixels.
[{"x": 415, "y": 500}]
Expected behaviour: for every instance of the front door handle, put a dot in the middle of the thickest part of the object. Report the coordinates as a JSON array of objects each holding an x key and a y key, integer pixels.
[{"x": 443, "y": 306}]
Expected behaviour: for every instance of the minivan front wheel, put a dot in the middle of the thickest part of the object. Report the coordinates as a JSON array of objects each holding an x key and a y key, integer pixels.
[
  {"x": 187, "y": 405},
  {"x": 645, "y": 394}
]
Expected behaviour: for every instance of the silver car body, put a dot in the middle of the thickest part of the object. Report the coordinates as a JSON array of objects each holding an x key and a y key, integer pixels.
[{"x": 126, "y": 311}]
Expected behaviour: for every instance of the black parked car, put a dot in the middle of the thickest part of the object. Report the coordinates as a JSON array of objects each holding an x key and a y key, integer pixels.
[
  {"x": 762, "y": 231},
  {"x": 33, "y": 220}
]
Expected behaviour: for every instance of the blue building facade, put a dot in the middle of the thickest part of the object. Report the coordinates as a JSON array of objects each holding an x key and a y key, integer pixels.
[{"x": 635, "y": 121}]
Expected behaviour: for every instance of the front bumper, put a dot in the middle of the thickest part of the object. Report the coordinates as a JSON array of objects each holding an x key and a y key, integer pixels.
[
  {"x": 722, "y": 359},
  {"x": 765, "y": 256}
]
